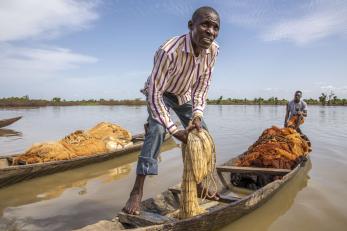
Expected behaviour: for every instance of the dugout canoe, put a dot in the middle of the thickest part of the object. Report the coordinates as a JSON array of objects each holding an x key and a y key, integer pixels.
[
  {"x": 11, "y": 174},
  {"x": 6, "y": 122},
  {"x": 160, "y": 212}
]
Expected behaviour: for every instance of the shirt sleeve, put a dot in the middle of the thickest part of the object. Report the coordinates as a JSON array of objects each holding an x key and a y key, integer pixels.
[
  {"x": 200, "y": 89},
  {"x": 156, "y": 88},
  {"x": 304, "y": 106}
]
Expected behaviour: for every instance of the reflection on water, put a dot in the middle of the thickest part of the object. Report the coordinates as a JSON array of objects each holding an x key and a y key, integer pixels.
[
  {"x": 83, "y": 196},
  {"x": 53, "y": 186},
  {"x": 9, "y": 132},
  {"x": 82, "y": 190},
  {"x": 264, "y": 216}
]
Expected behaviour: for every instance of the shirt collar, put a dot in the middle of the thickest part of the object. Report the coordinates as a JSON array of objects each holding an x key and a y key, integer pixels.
[{"x": 188, "y": 47}]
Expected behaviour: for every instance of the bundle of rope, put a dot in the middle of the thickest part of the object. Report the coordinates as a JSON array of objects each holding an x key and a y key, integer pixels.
[{"x": 199, "y": 158}]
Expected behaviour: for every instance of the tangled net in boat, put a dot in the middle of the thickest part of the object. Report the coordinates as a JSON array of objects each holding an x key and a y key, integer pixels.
[
  {"x": 83, "y": 144},
  {"x": 276, "y": 148},
  {"x": 199, "y": 158},
  {"x": 104, "y": 137},
  {"x": 45, "y": 152},
  {"x": 105, "y": 130}
]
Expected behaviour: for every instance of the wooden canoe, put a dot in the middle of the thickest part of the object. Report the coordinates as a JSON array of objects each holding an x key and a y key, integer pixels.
[
  {"x": 11, "y": 174},
  {"x": 159, "y": 213},
  {"x": 6, "y": 122}
]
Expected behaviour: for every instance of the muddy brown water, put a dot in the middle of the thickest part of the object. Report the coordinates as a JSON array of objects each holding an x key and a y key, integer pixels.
[{"x": 313, "y": 200}]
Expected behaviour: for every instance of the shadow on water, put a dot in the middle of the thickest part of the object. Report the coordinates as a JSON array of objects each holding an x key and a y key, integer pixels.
[
  {"x": 53, "y": 186},
  {"x": 9, "y": 132},
  {"x": 278, "y": 205}
]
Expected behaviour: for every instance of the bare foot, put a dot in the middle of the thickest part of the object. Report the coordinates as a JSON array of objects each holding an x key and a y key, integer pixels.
[
  {"x": 210, "y": 195},
  {"x": 133, "y": 204}
]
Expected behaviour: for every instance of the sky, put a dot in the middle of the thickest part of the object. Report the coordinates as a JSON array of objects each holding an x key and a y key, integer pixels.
[{"x": 76, "y": 49}]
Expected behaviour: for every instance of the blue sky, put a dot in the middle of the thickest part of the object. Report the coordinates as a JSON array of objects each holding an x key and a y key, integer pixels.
[{"x": 104, "y": 48}]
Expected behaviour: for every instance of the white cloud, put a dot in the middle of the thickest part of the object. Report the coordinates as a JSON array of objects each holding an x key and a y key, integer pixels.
[
  {"x": 333, "y": 88},
  {"x": 14, "y": 58},
  {"x": 322, "y": 22},
  {"x": 25, "y": 21},
  {"x": 340, "y": 91},
  {"x": 36, "y": 18},
  {"x": 270, "y": 89},
  {"x": 300, "y": 22}
]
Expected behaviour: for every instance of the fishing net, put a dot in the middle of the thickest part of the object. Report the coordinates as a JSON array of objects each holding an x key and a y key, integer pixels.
[
  {"x": 276, "y": 148},
  {"x": 45, "y": 152},
  {"x": 199, "y": 158},
  {"x": 102, "y": 138},
  {"x": 293, "y": 120},
  {"x": 104, "y": 130},
  {"x": 83, "y": 144}
]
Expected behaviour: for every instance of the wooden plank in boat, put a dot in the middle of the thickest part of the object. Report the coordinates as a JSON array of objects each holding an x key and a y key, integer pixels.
[
  {"x": 270, "y": 171},
  {"x": 144, "y": 219},
  {"x": 3, "y": 163},
  {"x": 222, "y": 198}
]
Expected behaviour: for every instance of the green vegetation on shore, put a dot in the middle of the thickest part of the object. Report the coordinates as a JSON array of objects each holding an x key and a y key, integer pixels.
[
  {"x": 25, "y": 101},
  {"x": 325, "y": 99}
]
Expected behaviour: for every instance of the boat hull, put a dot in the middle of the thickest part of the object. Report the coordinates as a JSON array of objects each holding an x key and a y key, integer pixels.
[
  {"x": 6, "y": 122},
  {"x": 14, "y": 174},
  {"x": 223, "y": 215}
]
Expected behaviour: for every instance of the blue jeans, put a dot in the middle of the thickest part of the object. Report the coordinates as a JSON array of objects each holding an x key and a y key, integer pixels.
[{"x": 147, "y": 163}]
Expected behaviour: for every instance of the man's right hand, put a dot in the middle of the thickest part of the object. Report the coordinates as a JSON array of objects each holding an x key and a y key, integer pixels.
[{"x": 181, "y": 135}]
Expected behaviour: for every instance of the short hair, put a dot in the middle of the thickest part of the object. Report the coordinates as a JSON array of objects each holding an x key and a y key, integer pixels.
[
  {"x": 201, "y": 10},
  {"x": 298, "y": 92}
]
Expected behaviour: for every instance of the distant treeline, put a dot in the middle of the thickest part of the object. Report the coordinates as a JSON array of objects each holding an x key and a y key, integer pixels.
[
  {"x": 25, "y": 101},
  {"x": 324, "y": 99}
]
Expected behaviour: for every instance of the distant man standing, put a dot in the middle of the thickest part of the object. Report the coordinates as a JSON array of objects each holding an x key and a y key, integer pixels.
[
  {"x": 298, "y": 108},
  {"x": 179, "y": 81}
]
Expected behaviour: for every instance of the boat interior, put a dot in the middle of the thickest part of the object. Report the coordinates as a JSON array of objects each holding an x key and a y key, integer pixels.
[{"x": 164, "y": 207}]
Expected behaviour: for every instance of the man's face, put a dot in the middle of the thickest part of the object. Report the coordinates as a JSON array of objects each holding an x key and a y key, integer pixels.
[
  {"x": 297, "y": 96},
  {"x": 204, "y": 29}
]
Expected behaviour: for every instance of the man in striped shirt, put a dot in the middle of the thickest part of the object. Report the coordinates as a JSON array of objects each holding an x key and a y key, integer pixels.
[{"x": 179, "y": 81}]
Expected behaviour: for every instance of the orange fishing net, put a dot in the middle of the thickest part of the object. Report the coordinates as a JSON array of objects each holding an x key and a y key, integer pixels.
[
  {"x": 83, "y": 144},
  {"x": 102, "y": 138},
  {"x": 104, "y": 130},
  {"x": 292, "y": 121},
  {"x": 275, "y": 148},
  {"x": 45, "y": 152}
]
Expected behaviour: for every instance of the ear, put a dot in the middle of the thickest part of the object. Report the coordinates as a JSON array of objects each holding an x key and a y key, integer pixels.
[{"x": 190, "y": 25}]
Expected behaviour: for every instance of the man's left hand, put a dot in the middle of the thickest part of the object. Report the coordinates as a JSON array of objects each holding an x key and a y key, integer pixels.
[{"x": 196, "y": 123}]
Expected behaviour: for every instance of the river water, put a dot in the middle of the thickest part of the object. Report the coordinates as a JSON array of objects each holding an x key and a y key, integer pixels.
[{"x": 313, "y": 200}]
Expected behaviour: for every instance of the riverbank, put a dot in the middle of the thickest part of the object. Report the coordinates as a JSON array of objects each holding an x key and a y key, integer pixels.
[{"x": 26, "y": 102}]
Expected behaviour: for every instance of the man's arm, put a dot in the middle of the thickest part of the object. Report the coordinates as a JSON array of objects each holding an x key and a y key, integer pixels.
[
  {"x": 287, "y": 115},
  {"x": 199, "y": 93},
  {"x": 304, "y": 110},
  {"x": 156, "y": 89}
]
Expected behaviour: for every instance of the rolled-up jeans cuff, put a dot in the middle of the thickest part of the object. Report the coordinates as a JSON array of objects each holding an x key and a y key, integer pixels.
[{"x": 147, "y": 166}]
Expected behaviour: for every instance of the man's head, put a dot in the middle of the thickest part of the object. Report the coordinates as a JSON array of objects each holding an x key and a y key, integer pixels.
[
  {"x": 204, "y": 27},
  {"x": 297, "y": 96}
]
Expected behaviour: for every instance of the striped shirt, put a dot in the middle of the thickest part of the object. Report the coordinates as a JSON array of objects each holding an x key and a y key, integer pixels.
[{"x": 176, "y": 70}]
